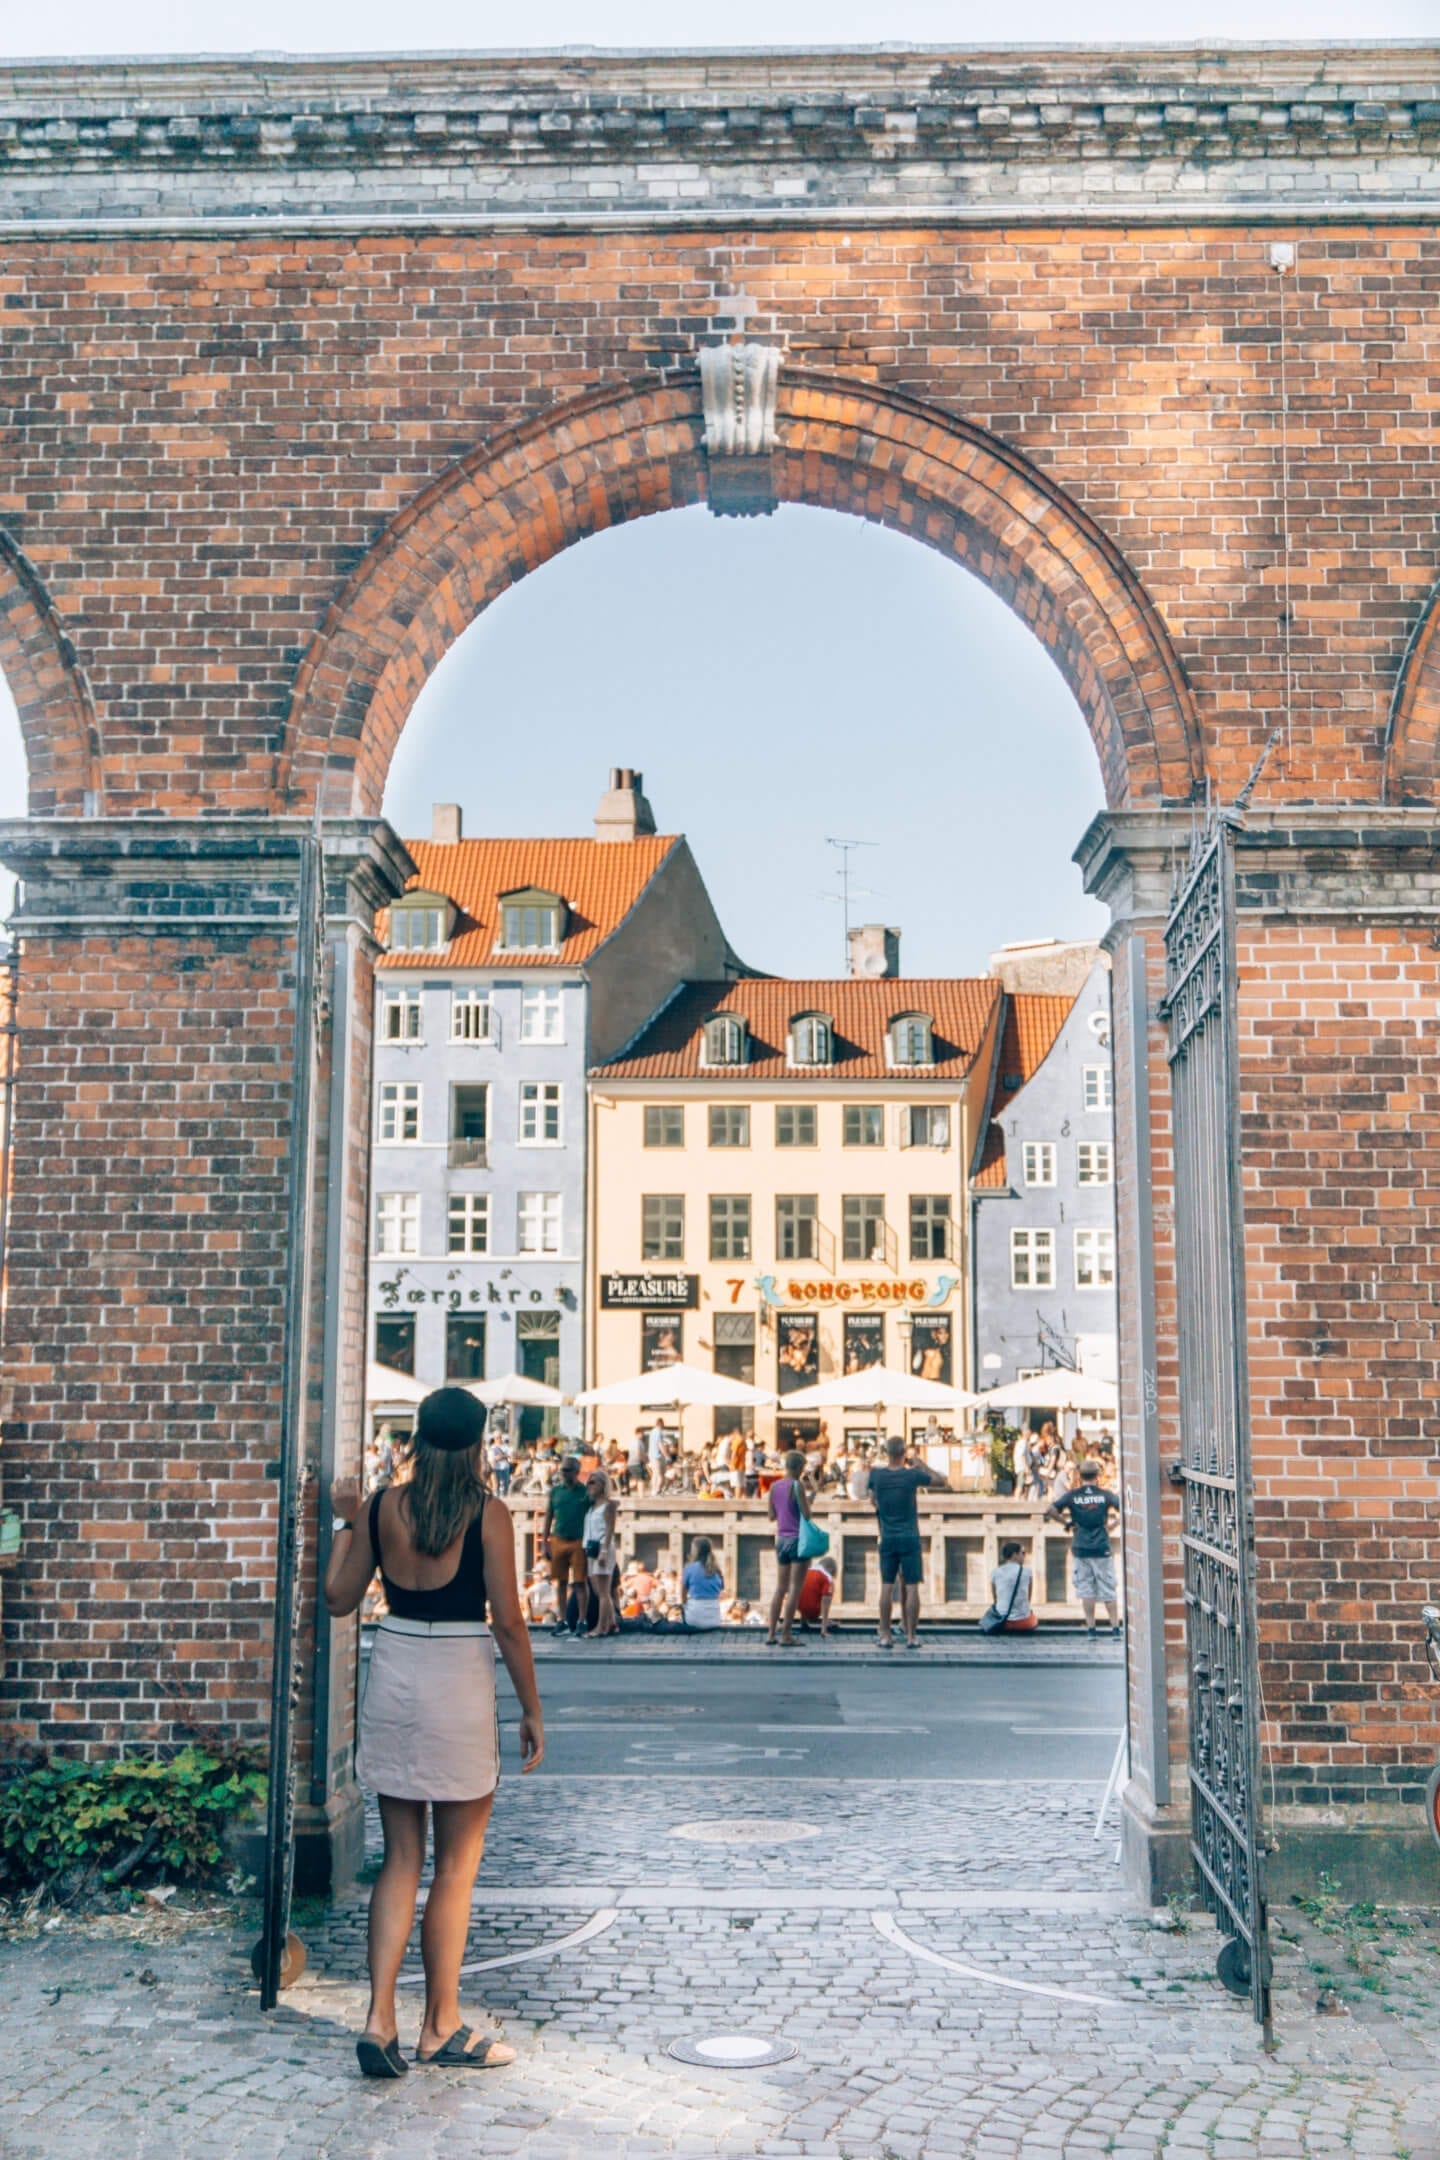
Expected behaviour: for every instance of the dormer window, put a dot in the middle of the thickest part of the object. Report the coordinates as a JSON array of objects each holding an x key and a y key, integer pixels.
[
  {"x": 911, "y": 1039},
  {"x": 725, "y": 1040},
  {"x": 811, "y": 1039},
  {"x": 421, "y": 922},
  {"x": 531, "y": 921}
]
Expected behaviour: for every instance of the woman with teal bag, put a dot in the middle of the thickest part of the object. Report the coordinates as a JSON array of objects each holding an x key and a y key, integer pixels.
[{"x": 798, "y": 1538}]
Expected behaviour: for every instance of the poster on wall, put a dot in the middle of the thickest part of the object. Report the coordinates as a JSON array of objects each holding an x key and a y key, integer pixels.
[
  {"x": 864, "y": 1341},
  {"x": 797, "y": 1343},
  {"x": 931, "y": 1342},
  {"x": 660, "y": 1340}
]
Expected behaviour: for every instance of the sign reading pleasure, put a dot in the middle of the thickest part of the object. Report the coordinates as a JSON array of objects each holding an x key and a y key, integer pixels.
[{"x": 651, "y": 1288}]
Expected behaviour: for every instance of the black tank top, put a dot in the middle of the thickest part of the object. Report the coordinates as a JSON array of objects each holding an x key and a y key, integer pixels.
[{"x": 462, "y": 1598}]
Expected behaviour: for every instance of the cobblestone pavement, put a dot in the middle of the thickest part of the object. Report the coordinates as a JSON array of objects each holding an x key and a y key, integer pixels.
[{"x": 878, "y": 1948}]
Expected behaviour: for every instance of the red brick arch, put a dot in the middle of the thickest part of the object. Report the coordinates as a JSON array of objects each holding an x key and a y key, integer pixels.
[
  {"x": 625, "y": 452},
  {"x": 1412, "y": 739},
  {"x": 52, "y": 697}
]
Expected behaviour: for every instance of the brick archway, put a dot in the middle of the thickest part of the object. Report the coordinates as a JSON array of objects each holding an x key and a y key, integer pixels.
[
  {"x": 623, "y": 453},
  {"x": 52, "y": 696},
  {"x": 1412, "y": 736}
]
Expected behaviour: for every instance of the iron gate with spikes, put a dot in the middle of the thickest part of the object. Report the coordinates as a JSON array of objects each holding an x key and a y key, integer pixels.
[{"x": 1218, "y": 1537}]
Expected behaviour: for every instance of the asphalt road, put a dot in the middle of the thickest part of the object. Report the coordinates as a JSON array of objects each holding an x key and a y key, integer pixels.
[{"x": 791, "y": 1717}]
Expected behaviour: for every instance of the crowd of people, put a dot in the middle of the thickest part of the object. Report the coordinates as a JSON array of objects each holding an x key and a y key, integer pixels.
[
  {"x": 1036, "y": 1464},
  {"x": 579, "y": 1587}
]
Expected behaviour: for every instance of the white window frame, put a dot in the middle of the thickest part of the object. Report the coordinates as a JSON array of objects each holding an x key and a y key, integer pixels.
[
  {"x": 472, "y": 1016},
  {"x": 662, "y": 1111},
  {"x": 398, "y": 1099},
  {"x": 538, "y": 1222},
  {"x": 1041, "y": 1156},
  {"x": 1095, "y": 1162},
  {"x": 469, "y": 1213},
  {"x": 1099, "y": 1087},
  {"x": 544, "y": 1002},
  {"x": 899, "y": 1029},
  {"x": 734, "y": 1030},
  {"x": 811, "y": 1040},
  {"x": 397, "y": 1223},
  {"x": 1095, "y": 1259},
  {"x": 1036, "y": 1248},
  {"x": 406, "y": 1008},
  {"x": 542, "y": 1108}
]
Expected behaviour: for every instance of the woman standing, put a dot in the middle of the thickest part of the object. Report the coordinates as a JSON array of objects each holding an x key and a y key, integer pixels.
[
  {"x": 702, "y": 1584},
  {"x": 599, "y": 1536},
  {"x": 789, "y": 1504},
  {"x": 429, "y": 1739}
]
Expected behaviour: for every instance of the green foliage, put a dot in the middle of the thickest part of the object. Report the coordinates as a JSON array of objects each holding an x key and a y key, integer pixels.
[{"x": 111, "y": 1819}]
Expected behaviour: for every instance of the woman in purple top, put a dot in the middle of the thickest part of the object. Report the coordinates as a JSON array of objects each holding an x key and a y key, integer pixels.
[{"x": 788, "y": 1503}]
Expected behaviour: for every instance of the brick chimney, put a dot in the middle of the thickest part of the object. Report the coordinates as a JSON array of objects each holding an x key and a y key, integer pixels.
[
  {"x": 445, "y": 823},
  {"x": 624, "y": 813},
  {"x": 874, "y": 951}
]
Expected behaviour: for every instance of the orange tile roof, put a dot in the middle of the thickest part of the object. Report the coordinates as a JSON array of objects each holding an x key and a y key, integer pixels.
[
  {"x": 599, "y": 880},
  {"x": 960, "y": 1009},
  {"x": 1032, "y": 1024},
  {"x": 1032, "y": 1027},
  {"x": 992, "y": 1175}
]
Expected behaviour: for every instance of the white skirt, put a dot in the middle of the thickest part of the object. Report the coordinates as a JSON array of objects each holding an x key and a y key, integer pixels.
[
  {"x": 428, "y": 1728},
  {"x": 702, "y": 1612}
]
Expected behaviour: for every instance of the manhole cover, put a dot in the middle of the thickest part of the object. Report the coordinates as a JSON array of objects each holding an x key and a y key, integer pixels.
[
  {"x": 621, "y": 1713},
  {"x": 733, "y": 2051},
  {"x": 738, "y": 1830}
]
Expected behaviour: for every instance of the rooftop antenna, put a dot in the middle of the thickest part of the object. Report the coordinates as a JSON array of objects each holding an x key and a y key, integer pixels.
[{"x": 847, "y": 893}]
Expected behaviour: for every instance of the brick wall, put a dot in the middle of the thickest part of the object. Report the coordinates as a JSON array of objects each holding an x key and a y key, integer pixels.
[
  {"x": 1340, "y": 1044},
  {"x": 1136, "y": 372},
  {"x": 145, "y": 1271}
]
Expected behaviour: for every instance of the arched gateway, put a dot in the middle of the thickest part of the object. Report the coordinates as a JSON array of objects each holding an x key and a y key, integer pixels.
[{"x": 303, "y": 366}]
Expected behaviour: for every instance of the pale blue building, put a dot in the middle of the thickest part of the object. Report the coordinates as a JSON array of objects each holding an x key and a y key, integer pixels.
[
  {"x": 1043, "y": 1199},
  {"x": 512, "y": 967}
]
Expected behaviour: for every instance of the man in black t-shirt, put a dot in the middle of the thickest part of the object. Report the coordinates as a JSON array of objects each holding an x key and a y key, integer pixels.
[
  {"x": 892, "y": 1494},
  {"x": 1088, "y": 1510}
]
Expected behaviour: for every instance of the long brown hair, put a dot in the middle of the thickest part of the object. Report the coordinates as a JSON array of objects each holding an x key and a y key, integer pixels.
[{"x": 446, "y": 1490}]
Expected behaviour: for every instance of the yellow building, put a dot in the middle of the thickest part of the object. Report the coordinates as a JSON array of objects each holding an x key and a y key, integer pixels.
[{"x": 779, "y": 1178}]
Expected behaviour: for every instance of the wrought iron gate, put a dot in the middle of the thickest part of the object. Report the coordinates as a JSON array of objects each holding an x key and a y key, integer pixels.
[{"x": 1220, "y": 1628}]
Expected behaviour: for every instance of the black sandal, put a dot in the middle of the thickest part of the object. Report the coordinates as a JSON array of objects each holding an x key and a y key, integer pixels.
[
  {"x": 457, "y": 2054},
  {"x": 380, "y": 2062}
]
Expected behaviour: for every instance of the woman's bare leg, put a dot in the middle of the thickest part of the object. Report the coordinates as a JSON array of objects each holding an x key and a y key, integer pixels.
[
  {"x": 460, "y": 1827},
  {"x": 794, "y": 1578},
  {"x": 392, "y": 1907},
  {"x": 605, "y": 1618}
]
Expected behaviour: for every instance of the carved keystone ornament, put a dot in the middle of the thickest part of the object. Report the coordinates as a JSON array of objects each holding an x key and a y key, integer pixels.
[{"x": 738, "y": 386}]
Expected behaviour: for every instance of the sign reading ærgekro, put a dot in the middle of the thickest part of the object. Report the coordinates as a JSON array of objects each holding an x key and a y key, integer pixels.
[{"x": 652, "y": 1288}]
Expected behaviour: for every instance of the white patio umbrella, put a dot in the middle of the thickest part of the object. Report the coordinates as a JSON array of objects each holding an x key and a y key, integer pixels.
[
  {"x": 880, "y": 1387},
  {"x": 673, "y": 1387},
  {"x": 1054, "y": 1390},
  {"x": 383, "y": 1385},
  {"x": 518, "y": 1388}
]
